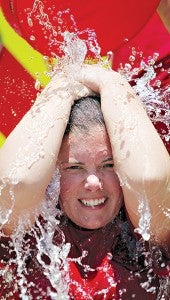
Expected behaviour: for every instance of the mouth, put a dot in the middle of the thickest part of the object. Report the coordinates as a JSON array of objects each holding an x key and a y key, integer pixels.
[{"x": 98, "y": 202}]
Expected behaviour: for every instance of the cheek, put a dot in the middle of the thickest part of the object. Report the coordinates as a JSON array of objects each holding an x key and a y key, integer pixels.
[
  {"x": 65, "y": 186},
  {"x": 65, "y": 193},
  {"x": 68, "y": 185},
  {"x": 111, "y": 181},
  {"x": 68, "y": 195}
]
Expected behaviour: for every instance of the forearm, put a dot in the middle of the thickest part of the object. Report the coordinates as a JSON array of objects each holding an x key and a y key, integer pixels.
[
  {"x": 132, "y": 135},
  {"x": 28, "y": 157},
  {"x": 32, "y": 148},
  {"x": 141, "y": 160}
]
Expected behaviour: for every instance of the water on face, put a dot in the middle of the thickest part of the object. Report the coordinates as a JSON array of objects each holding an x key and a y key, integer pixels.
[{"x": 52, "y": 259}]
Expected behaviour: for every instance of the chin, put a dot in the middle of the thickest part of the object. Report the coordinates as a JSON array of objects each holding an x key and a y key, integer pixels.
[{"x": 92, "y": 225}]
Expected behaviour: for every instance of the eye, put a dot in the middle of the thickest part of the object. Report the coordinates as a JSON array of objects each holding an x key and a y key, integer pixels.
[
  {"x": 108, "y": 165},
  {"x": 74, "y": 167}
]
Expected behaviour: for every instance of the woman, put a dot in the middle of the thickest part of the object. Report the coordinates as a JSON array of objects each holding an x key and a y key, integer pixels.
[{"x": 114, "y": 173}]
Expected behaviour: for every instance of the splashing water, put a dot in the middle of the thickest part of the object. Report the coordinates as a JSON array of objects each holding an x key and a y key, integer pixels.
[
  {"x": 144, "y": 221},
  {"x": 55, "y": 33},
  {"x": 156, "y": 100},
  {"x": 55, "y": 267}
]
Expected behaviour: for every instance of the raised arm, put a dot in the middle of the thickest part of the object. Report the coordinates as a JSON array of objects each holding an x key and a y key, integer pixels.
[
  {"x": 28, "y": 158},
  {"x": 141, "y": 160}
]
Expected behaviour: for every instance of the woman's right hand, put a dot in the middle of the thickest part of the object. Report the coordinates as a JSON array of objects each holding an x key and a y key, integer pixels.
[{"x": 97, "y": 78}]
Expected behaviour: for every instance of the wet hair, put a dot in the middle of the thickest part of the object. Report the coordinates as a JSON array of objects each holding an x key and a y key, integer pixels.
[{"x": 85, "y": 113}]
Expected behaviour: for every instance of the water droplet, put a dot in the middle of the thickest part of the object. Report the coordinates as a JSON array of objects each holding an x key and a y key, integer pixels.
[
  {"x": 37, "y": 84},
  {"x": 131, "y": 58},
  {"x": 30, "y": 23},
  {"x": 32, "y": 38}
]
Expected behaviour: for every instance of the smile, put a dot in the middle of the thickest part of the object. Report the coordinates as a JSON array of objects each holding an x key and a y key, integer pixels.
[{"x": 93, "y": 202}]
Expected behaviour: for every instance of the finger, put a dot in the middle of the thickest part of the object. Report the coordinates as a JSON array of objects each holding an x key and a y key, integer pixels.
[
  {"x": 79, "y": 90},
  {"x": 94, "y": 77}
]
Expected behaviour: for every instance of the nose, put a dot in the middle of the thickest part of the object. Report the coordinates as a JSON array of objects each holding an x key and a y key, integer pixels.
[{"x": 93, "y": 182}]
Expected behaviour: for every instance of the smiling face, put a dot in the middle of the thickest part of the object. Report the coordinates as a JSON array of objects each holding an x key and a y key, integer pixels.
[{"x": 90, "y": 193}]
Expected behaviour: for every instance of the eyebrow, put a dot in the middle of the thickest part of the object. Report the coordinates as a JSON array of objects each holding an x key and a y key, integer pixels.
[
  {"x": 72, "y": 162},
  {"x": 80, "y": 163},
  {"x": 108, "y": 159}
]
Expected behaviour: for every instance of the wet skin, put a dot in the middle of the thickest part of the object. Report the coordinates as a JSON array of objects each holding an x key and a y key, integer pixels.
[{"x": 90, "y": 193}]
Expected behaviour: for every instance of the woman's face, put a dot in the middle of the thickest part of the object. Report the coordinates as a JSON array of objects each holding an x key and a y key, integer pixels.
[{"x": 90, "y": 194}]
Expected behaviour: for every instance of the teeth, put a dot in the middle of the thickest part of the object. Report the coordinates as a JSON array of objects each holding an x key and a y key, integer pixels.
[{"x": 93, "y": 202}]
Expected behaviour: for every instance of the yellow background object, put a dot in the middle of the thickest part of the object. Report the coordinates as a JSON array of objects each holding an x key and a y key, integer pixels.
[
  {"x": 29, "y": 58},
  {"x": 2, "y": 139}
]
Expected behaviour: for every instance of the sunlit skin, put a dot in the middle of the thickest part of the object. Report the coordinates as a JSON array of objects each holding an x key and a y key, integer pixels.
[{"x": 87, "y": 174}]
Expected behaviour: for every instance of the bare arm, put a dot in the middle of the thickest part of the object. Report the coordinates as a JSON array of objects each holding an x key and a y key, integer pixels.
[
  {"x": 141, "y": 160},
  {"x": 28, "y": 158},
  {"x": 164, "y": 13}
]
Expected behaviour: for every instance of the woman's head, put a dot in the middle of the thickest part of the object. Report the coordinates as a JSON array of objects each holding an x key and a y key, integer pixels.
[{"x": 90, "y": 193}]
